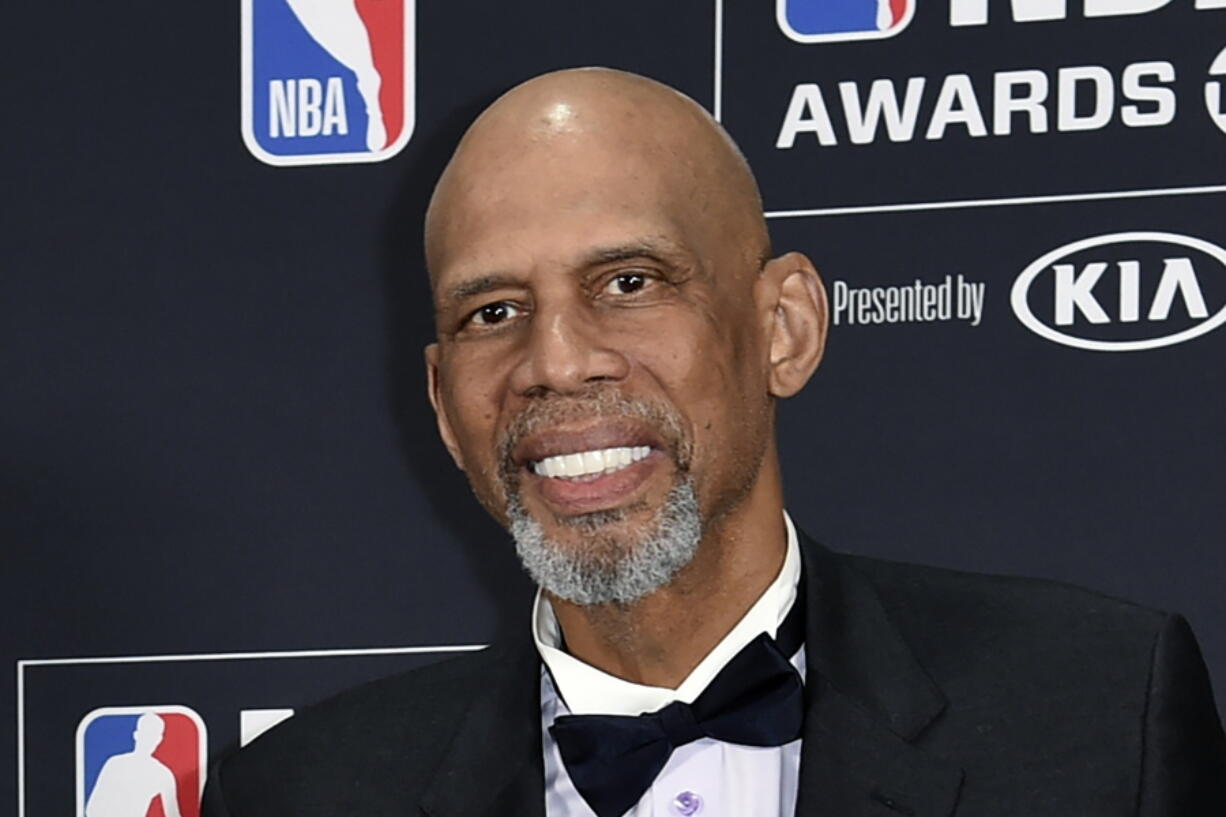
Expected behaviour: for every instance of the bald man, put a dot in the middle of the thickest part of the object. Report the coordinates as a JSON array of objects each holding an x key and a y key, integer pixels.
[{"x": 613, "y": 332}]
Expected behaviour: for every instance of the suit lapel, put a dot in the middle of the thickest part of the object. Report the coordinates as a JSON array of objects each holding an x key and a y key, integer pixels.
[
  {"x": 493, "y": 764},
  {"x": 867, "y": 699}
]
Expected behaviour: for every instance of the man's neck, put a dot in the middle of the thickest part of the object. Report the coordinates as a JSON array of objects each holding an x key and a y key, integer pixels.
[{"x": 660, "y": 639}]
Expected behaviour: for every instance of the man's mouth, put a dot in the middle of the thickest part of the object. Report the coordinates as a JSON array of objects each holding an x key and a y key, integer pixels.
[
  {"x": 601, "y": 467},
  {"x": 594, "y": 479},
  {"x": 591, "y": 464},
  {"x": 599, "y": 454}
]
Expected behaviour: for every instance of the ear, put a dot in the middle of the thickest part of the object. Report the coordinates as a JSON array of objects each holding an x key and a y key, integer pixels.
[
  {"x": 434, "y": 391},
  {"x": 797, "y": 318}
]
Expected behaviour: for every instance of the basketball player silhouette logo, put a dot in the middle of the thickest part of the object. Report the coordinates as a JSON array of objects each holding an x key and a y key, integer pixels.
[
  {"x": 818, "y": 21},
  {"x": 140, "y": 762},
  {"x": 327, "y": 81}
]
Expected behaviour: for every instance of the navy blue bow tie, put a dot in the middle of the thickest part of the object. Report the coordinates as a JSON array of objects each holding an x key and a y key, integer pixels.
[{"x": 757, "y": 699}]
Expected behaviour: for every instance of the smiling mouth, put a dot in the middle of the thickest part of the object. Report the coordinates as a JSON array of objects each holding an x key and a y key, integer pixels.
[
  {"x": 594, "y": 452},
  {"x": 588, "y": 465}
]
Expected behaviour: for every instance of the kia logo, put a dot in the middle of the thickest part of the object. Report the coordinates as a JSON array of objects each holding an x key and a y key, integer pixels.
[{"x": 1124, "y": 292}]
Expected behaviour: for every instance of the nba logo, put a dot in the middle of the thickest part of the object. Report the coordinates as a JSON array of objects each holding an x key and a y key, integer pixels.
[
  {"x": 327, "y": 81},
  {"x": 140, "y": 761},
  {"x": 819, "y": 21}
]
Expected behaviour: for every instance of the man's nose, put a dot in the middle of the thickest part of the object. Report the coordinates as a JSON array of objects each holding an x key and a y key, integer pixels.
[{"x": 565, "y": 353}]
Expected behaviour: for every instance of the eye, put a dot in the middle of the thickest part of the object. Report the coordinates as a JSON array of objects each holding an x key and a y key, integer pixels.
[
  {"x": 494, "y": 313},
  {"x": 626, "y": 283}
]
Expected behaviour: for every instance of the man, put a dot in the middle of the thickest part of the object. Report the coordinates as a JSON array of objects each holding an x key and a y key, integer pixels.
[{"x": 613, "y": 333}]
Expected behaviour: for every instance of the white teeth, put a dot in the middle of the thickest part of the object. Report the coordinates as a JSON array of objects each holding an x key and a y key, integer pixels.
[{"x": 588, "y": 463}]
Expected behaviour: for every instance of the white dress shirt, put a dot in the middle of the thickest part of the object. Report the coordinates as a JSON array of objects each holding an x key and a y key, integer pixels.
[{"x": 706, "y": 778}]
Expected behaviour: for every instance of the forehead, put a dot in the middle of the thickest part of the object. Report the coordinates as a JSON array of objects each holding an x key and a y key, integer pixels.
[{"x": 556, "y": 206}]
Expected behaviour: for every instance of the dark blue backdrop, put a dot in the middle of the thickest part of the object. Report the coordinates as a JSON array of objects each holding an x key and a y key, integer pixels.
[{"x": 215, "y": 435}]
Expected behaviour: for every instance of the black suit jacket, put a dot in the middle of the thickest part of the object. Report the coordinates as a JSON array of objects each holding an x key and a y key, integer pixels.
[{"x": 929, "y": 692}]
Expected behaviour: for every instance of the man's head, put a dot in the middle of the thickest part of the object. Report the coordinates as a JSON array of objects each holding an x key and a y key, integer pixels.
[
  {"x": 612, "y": 331},
  {"x": 148, "y": 733}
]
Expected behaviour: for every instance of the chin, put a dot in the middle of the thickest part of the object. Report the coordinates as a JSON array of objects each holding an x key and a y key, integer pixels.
[{"x": 610, "y": 556}]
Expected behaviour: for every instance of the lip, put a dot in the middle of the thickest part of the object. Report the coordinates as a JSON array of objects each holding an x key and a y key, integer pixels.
[
  {"x": 572, "y": 497},
  {"x": 602, "y": 432}
]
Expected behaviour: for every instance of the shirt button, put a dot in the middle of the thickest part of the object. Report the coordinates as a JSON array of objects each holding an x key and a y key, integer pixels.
[{"x": 687, "y": 803}]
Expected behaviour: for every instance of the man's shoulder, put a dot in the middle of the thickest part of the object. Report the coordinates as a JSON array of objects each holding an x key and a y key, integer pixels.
[
  {"x": 391, "y": 729},
  {"x": 958, "y": 621},
  {"x": 1089, "y": 694},
  {"x": 953, "y": 594}
]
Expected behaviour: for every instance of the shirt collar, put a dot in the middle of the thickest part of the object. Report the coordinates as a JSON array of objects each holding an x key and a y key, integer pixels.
[{"x": 590, "y": 691}]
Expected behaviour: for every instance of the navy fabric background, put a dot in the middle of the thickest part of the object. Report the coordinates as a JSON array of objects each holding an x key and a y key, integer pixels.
[{"x": 215, "y": 433}]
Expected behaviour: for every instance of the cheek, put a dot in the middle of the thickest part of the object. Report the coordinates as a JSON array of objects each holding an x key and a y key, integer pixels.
[
  {"x": 719, "y": 382},
  {"x": 472, "y": 400},
  {"x": 711, "y": 377},
  {"x": 474, "y": 420}
]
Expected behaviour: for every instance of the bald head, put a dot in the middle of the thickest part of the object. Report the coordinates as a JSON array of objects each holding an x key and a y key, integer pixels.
[{"x": 548, "y": 139}]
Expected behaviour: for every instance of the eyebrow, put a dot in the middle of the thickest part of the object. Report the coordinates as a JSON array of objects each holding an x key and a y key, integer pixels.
[
  {"x": 663, "y": 251},
  {"x": 478, "y": 286}
]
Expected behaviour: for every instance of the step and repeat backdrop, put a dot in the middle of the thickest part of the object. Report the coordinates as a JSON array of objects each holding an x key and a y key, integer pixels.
[{"x": 222, "y": 494}]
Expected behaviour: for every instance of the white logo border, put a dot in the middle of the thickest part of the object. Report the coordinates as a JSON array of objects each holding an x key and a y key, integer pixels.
[
  {"x": 24, "y": 663},
  {"x": 202, "y": 742},
  {"x": 781, "y": 17},
  {"x": 952, "y": 204},
  {"x": 301, "y": 159}
]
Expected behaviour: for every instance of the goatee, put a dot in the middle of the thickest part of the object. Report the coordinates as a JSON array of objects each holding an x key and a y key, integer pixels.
[{"x": 604, "y": 567}]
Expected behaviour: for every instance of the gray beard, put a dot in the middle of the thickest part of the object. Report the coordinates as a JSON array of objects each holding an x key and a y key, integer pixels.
[{"x": 604, "y": 569}]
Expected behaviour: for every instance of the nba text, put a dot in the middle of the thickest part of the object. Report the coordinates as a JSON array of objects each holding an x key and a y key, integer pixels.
[
  {"x": 306, "y": 107},
  {"x": 975, "y": 12}
]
